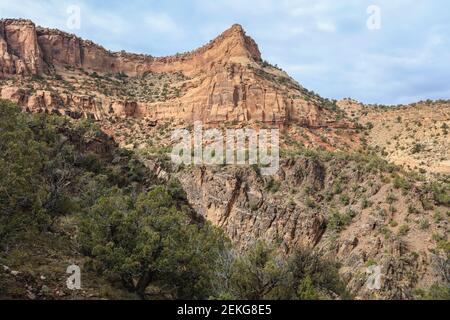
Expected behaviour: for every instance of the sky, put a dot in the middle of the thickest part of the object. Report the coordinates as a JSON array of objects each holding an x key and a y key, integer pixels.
[{"x": 385, "y": 51}]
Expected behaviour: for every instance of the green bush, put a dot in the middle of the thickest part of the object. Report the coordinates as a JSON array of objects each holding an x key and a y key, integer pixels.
[
  {"x": 338, "y": 222},
  {"x": 435, "y": 292},
  {"x": 310, "y": 203},
  {"x": 23, "y": 189},
  {"x": 306, "y": 290},
  {"x": 401, "y": 183},
  {"x": 440, "y": 192},
  {"x": 417, "y": 148},
  {"x": 272, "y": 185},
  {"x": 403, "y": 230},
  {"x": 261, "y": 274},
  {"x": 345, "y": 199},
  {"x": 146, "y": 241},
  {"x": 366, "y": 203}
]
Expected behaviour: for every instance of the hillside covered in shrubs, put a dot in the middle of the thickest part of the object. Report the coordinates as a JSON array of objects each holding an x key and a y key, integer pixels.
[{"x": 69, "y": 195}]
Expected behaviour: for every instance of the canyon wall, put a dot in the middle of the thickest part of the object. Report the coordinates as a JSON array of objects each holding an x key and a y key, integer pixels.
[
  {"x": 26, "y": 50},
  {"x": 300, "y": 212},
  {"x": 228, "y": 80}
]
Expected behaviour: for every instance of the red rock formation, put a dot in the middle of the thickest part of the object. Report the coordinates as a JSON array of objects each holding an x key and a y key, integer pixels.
[
  {"x": 20, "y": 53},
  {"x": 62, "y": 49},
  {"x": 229, "y": 81}
]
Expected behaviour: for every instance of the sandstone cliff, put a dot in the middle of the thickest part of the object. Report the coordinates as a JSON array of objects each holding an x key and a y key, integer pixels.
[
  {"x": 228, "y": 80},
  {"x": 20, "y": 53}
]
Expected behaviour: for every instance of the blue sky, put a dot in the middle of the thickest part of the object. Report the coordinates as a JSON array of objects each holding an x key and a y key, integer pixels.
[{"x": 324, "y": 44}]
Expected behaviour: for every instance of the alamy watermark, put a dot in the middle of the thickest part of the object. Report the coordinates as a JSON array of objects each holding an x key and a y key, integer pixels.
[
  {"x": 374, "y": 20},
  {"x": 74, "y": 20},
  {"x": 74, "y": 281},
  {"x": 227, "y": 147},
  {"x": 374, "y": 279}
]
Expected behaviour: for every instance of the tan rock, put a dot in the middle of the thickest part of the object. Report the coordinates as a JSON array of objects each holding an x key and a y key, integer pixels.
[
  {"x": 228, "y": 79},
  {"x": 20, "y": 53}
]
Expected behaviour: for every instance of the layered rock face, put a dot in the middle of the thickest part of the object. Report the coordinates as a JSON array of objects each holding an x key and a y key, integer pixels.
[
  {"x": 228, "y": 82},
  {"x": 20, "y": 53},
  {"x": 61, "y": 49},
  {"x": 301, "y": 212},
  {"x": 74, "y": 106},
  {"x": 232, "y": 92}
]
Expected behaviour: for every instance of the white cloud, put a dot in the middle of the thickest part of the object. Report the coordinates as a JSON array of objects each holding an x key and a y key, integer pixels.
[
  {"x": 162, "y": 22},
  {"x": 306, "y": 9},
  {"x": 408, "y": 57},
  {"x": 326, "y": 26}
]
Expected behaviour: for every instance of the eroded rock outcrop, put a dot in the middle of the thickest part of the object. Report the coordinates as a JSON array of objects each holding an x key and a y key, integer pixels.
[
  {"x": 25, "y": 49},
  {"x": 20, "y": 53},
  {"x": 305, "y": 205},
  {"x": 228, "y": 80},
  {"x": 73, "y": 105}
]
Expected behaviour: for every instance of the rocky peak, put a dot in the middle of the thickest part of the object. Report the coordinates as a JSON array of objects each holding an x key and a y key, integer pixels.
[
  {"x": 236, "y": 27},
  {"x": 244, "y": 44},
  {"x": 232, "y": 46},
  {"x": 26, "y": 50},
  {"x": 227, "y": 81}
]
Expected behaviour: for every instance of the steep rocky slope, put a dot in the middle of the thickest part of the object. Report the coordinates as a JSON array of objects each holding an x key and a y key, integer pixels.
[
  {"x": 414, "y": 136},
  {"x": 358, "y": 209}
]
